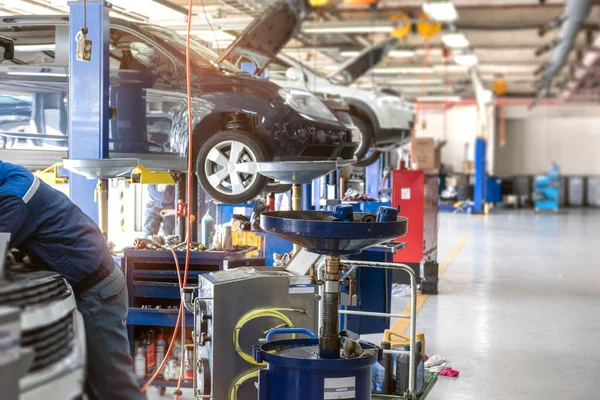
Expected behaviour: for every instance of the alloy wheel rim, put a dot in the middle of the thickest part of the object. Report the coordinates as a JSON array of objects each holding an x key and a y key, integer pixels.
[{"x": 224, "y": 165}]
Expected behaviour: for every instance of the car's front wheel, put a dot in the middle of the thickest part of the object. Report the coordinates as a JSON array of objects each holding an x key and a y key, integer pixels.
[{"x": 223, "y": 166}]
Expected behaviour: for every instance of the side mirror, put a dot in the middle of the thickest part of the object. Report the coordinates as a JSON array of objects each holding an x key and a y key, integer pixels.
[
  {"x": 294, "y": 74},
  {"x": 7, "y": 48}
]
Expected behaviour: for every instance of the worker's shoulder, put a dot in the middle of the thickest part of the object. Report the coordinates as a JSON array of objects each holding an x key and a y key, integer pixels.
[{"x": 15, "y": 181}]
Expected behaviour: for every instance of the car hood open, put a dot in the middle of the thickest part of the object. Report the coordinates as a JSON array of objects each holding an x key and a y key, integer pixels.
[
  {"x": 270, "y": 32},
  {"x": 368, "y": 58}
]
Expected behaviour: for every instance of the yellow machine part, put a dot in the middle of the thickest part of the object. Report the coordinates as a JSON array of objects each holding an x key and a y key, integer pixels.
[
  {"x": 142, "y": 175},
  {"x": 247, "y": 238},
  {"x": 428, "y": 28},
  {"x": 50, "y": 175},
  {"x": 403, "y": 340},
  {"x": 318, "y": 3},
  {"x": 402, "y": 25}
]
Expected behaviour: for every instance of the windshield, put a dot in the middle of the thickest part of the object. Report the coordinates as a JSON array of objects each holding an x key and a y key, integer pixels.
[{"x": 200, "y": 54}]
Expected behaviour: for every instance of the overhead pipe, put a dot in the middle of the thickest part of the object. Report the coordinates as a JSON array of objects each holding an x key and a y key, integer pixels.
[{"x": 576, "y": 11}]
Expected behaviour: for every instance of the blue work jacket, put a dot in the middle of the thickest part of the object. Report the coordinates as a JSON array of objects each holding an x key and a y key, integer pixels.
[{"x": 48, "y": 227}]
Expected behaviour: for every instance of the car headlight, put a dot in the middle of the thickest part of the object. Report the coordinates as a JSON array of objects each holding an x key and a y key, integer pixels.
[{"x": 306, "y": 104}]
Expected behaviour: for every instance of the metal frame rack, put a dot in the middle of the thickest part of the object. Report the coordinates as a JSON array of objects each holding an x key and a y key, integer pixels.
[{"x": 151, "y": 275}]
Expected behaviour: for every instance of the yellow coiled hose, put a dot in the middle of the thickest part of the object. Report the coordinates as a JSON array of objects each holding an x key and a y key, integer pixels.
[
  {"x": 260, "y": 313},
  {"x": 249, "y": 316}
]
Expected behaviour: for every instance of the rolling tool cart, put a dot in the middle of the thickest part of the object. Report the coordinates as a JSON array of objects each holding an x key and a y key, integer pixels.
[{"x": 154, "y": 295}]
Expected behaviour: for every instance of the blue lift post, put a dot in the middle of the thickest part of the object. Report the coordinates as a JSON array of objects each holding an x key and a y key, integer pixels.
[
  {"x": 88, "y": 121},
  {"x": 480, "y": 175}
]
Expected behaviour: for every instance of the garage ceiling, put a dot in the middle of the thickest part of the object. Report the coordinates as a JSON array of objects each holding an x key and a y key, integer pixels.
[{"x": 503, "y": 34}]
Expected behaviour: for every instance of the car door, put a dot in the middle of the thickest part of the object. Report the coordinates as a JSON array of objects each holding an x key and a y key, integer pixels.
[{"x": 143, "y": 94}]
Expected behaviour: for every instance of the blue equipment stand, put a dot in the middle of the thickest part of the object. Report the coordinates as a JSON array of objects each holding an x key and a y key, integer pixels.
[
  {"x": 547, "y": 190},
  {"x": 480, "y": 175},
  {"x": 88, "y": 120}
]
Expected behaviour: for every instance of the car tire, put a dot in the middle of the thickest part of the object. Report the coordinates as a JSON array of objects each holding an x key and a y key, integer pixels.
[
  {"x": 368, "y": 160},
  {"x": 366, "y": 137},
  {"x": 216, "y": 169}
]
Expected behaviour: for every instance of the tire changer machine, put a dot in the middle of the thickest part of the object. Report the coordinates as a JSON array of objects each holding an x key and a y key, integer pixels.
[{"x": 227, "y": 307}]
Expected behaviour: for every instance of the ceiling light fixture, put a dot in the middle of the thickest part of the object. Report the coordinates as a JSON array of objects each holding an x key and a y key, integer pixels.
[
  {"x": 455, "y": 40},
  {"x": 403, "y": 70},
  {"x": 450, "y": 68},
  {"x": 439, "y": 99},
  {"x": 467, "y": 60},
  {"x": 442, "y": 11},
  {"x": 350, "y": 29},
  {"x": 35, "y": 47},
  {"x": 24, "y": 7}
]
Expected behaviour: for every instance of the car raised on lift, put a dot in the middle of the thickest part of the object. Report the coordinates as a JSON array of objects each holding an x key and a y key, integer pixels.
[
  {"x": 385, "y": 119},
  {"x": 239, "y": 120}
]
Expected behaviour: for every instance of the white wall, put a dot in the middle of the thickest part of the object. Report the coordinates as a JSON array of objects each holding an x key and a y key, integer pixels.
[
  {"x": 462, "y": 127},
  {"x": 567, "y": 134}
]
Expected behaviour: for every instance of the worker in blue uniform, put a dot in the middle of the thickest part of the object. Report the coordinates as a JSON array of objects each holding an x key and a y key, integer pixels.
[
  {"x": 162, "y": 197},
  {"x": 45, "y": 225}
]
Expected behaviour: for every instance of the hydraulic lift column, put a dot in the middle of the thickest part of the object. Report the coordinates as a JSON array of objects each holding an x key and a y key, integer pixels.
[{"x": 88, "y": 120}]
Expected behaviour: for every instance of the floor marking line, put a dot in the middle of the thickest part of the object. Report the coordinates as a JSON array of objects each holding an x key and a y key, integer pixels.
[{"x": 401, "y": 325}]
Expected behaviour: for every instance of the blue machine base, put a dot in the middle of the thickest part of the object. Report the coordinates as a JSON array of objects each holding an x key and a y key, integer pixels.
[{"x": 303, "y": 376}]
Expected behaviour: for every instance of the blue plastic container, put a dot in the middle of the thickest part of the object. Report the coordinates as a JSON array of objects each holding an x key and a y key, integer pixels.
[{"x": 294, "y": 372}]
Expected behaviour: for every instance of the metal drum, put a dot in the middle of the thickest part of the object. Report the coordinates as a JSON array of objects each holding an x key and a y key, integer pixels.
[{"x": 295, "y": 372}]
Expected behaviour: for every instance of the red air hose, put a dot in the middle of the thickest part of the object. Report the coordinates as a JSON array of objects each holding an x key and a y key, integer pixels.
[{"x": 190, "y": 183}]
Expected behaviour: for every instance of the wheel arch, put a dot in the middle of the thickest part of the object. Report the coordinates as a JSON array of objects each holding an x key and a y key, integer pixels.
[
  {"x": 217, "y": 122},
  {"x": 363, "y": 110}
]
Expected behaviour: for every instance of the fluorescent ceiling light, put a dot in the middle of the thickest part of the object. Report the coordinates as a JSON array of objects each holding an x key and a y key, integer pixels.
[
  {"x": 393, "y": 53},
  {"x": 443, "y": 11},
  {"x": 35, "y": 47},
  {"x": 455, "y": 40},
  {"x": 350, "y": 29},
  {"x": 411, "y": 82},
  {"x": 428, "y": 89},
  {"x": 25, "y": 73},
  {"x": 506, "y": 69},
  {"x": 403, "y": 70},
  {"x": 148, "y": 8},
  {"x": 28, "y": 8},
  {"x": 450, "y": 68},
  {"x": 467, "y": 60},
  {"x": 439, "y": 99}
]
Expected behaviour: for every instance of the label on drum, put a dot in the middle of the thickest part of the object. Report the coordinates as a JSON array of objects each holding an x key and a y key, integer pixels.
[
  {"x": 405, "y": 193},
  {"x": 340, "y": 388},
  {"x": 301, "y": 285}
]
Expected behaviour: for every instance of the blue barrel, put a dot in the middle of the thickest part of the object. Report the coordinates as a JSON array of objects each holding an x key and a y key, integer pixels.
[{"x": 294, "y": 372}]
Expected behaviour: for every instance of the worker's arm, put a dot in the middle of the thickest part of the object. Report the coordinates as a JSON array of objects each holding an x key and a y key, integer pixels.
[{"x": 14, "y": 216}]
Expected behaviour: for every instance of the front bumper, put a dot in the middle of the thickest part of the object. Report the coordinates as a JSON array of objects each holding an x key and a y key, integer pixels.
[
  {"x": 296, "y": 138},
  {"x": 63, "y": 379}
]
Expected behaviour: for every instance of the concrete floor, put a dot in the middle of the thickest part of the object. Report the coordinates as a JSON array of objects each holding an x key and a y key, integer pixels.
[
  {"x": 519, "y": 308},
  {"x": 518, "y": 312}
]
